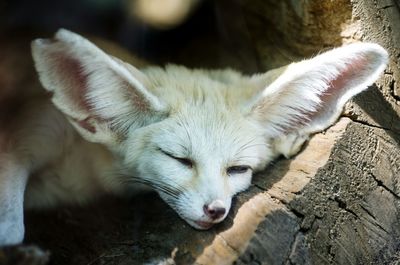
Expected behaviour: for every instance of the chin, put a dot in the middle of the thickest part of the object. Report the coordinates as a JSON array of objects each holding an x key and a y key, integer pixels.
[{"x": 200, "y": 225}]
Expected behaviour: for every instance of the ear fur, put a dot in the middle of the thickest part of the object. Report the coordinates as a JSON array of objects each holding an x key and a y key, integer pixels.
[
  {"x": 102, "y": 96},
  {"x": 310, "y": 95}
]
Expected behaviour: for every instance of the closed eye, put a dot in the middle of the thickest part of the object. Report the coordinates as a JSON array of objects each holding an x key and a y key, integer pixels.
[
  {"x": 234, "y": 170},
  {"x": 184, "y": 161}
]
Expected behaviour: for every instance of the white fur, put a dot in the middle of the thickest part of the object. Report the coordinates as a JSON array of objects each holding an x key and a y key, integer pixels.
[
  {"x": 134, "y": 122},
  {"x": 299, "y": 89}
]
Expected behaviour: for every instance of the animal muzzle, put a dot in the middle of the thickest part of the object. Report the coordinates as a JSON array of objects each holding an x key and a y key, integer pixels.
[{"x": 215, "y": 210}]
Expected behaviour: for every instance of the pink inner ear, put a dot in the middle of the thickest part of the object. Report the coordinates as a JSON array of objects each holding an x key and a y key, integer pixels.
[
  {"x": 347, "y": 79},
  {"x": 71, "y": 72}
]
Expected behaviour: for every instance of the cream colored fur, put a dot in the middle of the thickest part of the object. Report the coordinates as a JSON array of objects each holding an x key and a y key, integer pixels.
[{"x": 194, "y": 136}]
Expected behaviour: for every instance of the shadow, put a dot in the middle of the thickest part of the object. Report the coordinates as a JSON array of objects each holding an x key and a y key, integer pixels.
[
  {"x": 135, "y": 231},
  {"x": 110, "y": 231},
  {"x": 376, "y": 106},
  {"x": 265, "y": 179},
  {"x": 262, "y": 181},
  {"x": 116, "y": 231}
]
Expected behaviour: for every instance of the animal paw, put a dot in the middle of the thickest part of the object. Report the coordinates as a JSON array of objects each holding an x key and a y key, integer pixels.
[
  {"x": 289, "y": 145},
  {"x": 23, "y": 255}
]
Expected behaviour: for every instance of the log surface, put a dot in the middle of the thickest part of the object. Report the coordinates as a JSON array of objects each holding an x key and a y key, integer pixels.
[{"x": 337, "y": 202}]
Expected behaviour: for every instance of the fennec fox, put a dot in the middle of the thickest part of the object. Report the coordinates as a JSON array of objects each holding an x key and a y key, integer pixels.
[{"x": 194, "y": 136}]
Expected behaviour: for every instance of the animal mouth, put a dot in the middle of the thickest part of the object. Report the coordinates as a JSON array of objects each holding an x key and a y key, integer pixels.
[
  {"x": 200, "y": 225},
  {"x": 204, "y": 225}
]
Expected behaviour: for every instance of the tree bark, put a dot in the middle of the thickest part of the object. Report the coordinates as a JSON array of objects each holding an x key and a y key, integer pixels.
[{"x": 337, "y": 202}]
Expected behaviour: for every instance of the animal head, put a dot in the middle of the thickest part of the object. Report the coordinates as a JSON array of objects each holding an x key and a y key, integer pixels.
[{"x": 196, "y": 136}]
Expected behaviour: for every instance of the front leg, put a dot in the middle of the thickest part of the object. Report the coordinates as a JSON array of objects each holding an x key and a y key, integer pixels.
[
  {"x": 289, "y": 145},
  {"x": 13, "y": 179}
]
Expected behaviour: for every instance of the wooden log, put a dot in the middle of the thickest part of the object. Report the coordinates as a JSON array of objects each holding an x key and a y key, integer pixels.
[{"x": 337, "y": 202}]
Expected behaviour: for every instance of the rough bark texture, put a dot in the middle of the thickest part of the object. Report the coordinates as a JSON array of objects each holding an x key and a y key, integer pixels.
[{"x": 338, "y": 202}]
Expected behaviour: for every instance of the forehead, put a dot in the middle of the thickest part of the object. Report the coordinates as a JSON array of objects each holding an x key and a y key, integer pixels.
[
  {"x": 212, "y": 125},
  {"x": 207, "y": 112},
  {"x": 206, "y": 133},
  {"x": 177, "y": 86}
]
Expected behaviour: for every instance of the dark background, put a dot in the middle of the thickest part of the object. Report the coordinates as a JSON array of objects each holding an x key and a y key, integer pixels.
[{"x": 208, "y": 29}]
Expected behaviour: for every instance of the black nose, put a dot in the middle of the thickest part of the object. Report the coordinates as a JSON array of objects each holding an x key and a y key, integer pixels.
[{"x": 214, "y": 212}]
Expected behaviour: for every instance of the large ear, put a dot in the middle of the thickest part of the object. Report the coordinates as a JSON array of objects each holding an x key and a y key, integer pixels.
[
  {"x": 310, "y": 95},
  {"x": 102, "y": 96}
]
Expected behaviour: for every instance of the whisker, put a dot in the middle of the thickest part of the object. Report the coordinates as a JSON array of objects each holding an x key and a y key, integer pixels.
[
  {"x": 155, "y": 184},
  {"x": 175, "y": 189}
]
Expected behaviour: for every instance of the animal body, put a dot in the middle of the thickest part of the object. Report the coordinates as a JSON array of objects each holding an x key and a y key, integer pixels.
[{"x": 194, "y": 136}]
